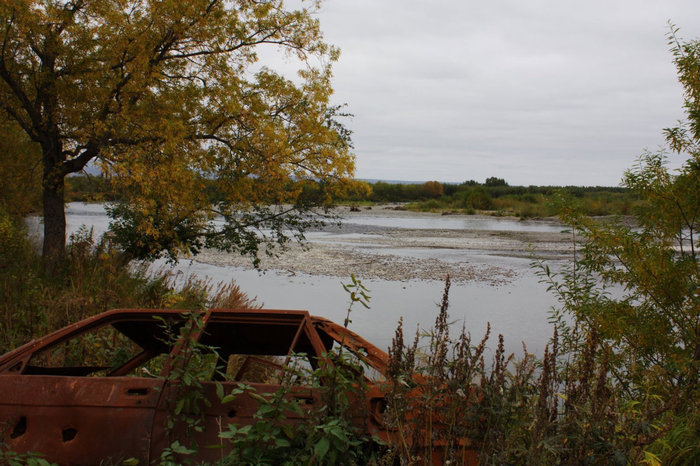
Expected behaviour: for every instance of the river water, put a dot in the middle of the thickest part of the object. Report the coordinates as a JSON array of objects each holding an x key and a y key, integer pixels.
[{"x": 518, "y": 307}]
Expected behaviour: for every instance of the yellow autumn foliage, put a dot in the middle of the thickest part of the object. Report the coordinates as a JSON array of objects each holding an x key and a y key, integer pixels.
[{"x": 164, "y": 95}]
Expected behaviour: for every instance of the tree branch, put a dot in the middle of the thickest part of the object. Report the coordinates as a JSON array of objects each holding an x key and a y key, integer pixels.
[
  {"x": 78, "y": 163},
  {"x": 17, "y": 90}
]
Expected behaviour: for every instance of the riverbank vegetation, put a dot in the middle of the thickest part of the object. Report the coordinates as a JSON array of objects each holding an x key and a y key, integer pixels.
[
  {"x": 618, "y": 382},
  {"x": 569, "y": 407},
  {"x": 520, "y": 201},
  {"x": 447, "y": 198}
]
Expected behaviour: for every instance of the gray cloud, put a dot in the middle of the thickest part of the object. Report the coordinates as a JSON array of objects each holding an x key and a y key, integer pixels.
[{"x": 537, "y": 92}]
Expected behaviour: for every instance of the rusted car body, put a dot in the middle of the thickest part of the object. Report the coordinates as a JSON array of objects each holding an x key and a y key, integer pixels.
[{"x": 89, "y": 393}]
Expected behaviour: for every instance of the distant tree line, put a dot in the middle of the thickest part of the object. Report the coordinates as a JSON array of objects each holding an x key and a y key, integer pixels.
[
  {"x": 494, "y": 187},
  {"x": 494, "y": 194}
]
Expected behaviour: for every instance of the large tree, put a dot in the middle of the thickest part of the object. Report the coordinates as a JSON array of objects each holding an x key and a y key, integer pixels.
[{"x": 167, "y": 97}]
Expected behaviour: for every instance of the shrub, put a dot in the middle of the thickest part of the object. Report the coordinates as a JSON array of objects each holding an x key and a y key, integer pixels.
[
  {"x": 448, "y": 404},
  {"x": 432, "y": 189},
  {"x": 477, "y": 198}
]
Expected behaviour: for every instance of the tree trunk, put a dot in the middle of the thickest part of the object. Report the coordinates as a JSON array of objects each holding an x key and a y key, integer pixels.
[{"x": 54, "y": 248}]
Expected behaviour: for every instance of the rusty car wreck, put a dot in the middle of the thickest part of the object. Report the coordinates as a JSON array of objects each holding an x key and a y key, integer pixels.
[{"x": 74, "y": 405}]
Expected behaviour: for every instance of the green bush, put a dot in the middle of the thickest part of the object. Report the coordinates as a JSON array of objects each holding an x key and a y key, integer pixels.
[{"x": 477, "y": 198}]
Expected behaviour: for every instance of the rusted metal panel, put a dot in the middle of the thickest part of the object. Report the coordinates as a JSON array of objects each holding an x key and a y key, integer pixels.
[
  {"x": 74, "y": 418},
  {"x": 375, "y": 357},
  {"x": 9, "y": 360},
  {"x": 79, "y": 420}
]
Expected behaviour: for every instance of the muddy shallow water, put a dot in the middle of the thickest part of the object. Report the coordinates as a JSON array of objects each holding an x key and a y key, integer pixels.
[
  {"x": 402, "y": 257},
  {"x": 386, "y": 244}
]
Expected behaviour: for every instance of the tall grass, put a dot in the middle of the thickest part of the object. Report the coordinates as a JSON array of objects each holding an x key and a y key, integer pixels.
[
  {"x": 95, "y": 277},
  {"x": 448, "y": 404}
]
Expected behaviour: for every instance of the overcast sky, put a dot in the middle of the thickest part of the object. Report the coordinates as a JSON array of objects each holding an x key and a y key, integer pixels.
[{"x": 534, "y": 91}]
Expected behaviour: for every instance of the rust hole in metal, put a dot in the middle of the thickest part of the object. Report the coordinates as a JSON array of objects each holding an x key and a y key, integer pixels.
[
  {"x": 68, "y": 434},
  {"x": 232, "y": 413},
  {"x": 20, "y": 428},
  {"x": 137, "y": 391},
  {"x": 378, "y": 405}
]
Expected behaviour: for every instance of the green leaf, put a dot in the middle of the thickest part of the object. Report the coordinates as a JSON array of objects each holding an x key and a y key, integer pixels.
[
  {"x": 282, "y": 442},
  {"x": 180, "y": 449},
  {"x": 321, "y": 447},
  {"x": 295, "y": 408},
  {"x": 228, "y": 398},
  {"x": 257, "y": 397},
  {"x": 338, "y": 433},
  {"x": 37, "y": 462},
  {"x": 288, "y": 430},
  {"x": 180, "y": 404}
]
